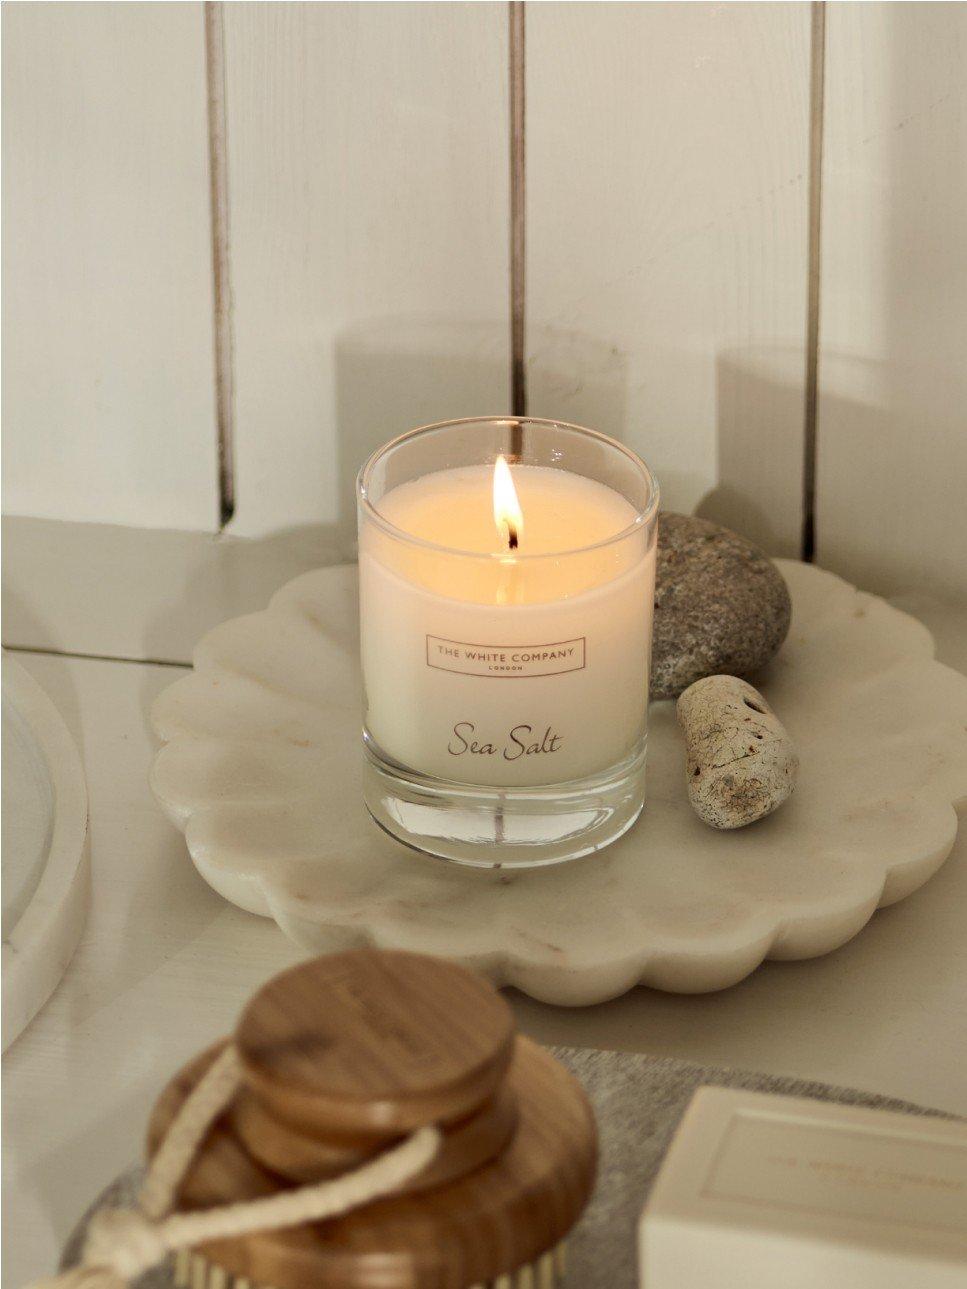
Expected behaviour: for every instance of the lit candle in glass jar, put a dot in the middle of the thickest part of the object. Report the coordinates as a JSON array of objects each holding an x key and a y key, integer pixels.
[{"x": 505, "y": 610}]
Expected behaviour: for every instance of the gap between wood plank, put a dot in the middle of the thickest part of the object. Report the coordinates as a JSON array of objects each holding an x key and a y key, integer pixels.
[
  {"x": 96, "y": 657},
  {"x": 518, "y": 212},
  {"x": 221, "y": 261},
  {"x": 817, "y": 90}
]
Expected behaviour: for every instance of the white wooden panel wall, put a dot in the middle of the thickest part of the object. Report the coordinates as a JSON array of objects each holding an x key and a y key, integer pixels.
[
  {"x": 667, "y": 175},
  {"x": 892, "y": 440},
  {"x": 108, "y": 365},
  {"x": 368, "y": 179},
  {"x": 368, "y": 253}
]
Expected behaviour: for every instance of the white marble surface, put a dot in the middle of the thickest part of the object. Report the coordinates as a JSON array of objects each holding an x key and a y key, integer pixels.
[{"x": 261, "y": 770}]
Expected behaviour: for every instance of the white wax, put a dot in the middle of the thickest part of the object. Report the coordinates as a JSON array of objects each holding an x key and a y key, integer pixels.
[
  {"x": 454, "y": 508},
  {"x": 495, "y": 667}
]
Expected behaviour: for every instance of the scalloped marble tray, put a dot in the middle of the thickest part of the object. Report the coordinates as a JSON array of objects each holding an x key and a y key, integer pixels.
[{"x": 261, "y": 770}]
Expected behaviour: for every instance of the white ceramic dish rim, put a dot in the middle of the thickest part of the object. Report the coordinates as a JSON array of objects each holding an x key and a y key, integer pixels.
[{"x": 38, "y": 949}]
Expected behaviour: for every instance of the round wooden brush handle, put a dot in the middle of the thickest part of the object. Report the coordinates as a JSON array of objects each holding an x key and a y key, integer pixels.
[{"x": 374, "y": 1044}]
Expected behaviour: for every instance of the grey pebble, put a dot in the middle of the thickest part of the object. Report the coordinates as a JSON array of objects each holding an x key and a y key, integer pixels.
[{"x": 721, "y": 605}]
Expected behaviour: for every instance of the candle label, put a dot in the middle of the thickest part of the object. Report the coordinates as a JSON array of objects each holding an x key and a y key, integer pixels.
[{"x": 507, "y": 662}]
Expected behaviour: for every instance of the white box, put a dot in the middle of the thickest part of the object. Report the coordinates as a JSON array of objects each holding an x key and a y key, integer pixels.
[{"x": 783, "y": 1192}]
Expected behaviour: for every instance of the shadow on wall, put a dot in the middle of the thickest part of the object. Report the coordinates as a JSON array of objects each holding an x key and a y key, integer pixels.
[
  {"x": 758, "y": 429},
  {"x": 396, "y": 373},
  {"x": 896, "y": 522},
  {"x": 393, "y": 374},
  {"x": 759, "y": 446},
  {"x": 579, "y": 378}
]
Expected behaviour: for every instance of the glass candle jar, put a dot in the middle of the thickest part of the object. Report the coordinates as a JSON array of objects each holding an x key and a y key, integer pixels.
[{"x": 506, "y": 574}]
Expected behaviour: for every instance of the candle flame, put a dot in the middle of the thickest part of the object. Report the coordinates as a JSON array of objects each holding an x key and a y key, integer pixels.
[{"x": 508, "y": 515}]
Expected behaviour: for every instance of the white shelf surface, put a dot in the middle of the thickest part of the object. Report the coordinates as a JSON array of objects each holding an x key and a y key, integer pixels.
[{"x": 164, "y": 965}]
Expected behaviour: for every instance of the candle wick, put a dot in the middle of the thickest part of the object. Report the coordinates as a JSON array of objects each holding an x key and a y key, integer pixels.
[{"x": 512, "y": 537}]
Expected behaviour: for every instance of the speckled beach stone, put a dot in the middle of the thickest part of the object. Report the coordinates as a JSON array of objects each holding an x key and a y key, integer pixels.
[
  {"x": 740, "y": 763},
  {"x": 721, "y": 605}
]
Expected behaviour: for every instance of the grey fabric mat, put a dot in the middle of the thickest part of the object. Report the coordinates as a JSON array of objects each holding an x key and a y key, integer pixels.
[{"x": 638, "y": 1101}]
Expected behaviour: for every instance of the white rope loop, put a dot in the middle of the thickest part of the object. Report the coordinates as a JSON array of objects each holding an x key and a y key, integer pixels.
[
  {"x": 210, "y": 1096},
  {"x": 121, "y": 1244}
]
